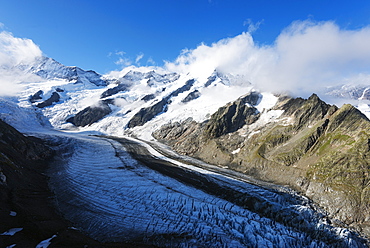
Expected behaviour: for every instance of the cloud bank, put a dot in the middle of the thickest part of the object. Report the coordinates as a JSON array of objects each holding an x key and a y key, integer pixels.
[
  {"x": 305, "y": 57},
  {"x": 15, "y": 52}
]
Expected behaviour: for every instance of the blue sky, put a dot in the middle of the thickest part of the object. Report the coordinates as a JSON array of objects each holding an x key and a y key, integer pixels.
[{"x": 106, "y": 35}]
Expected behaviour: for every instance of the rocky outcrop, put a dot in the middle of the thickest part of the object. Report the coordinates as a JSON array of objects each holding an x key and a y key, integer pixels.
[
  {"x": 183, "y": 88},
  {"x": 313, "y": 147},
  {"x": 55, "y": 97},
  {"x": 90, "y": 115},
  {"x": 23, "y": 189},
  {"x": 146, "y": 114},
  {"x": 112, "y": 91},
  {"x": 147, "y": 98},
  {"x": 37, "y": 96},
  {"x": 191, "y": 96},
  {"x": 233, "y": 116}
]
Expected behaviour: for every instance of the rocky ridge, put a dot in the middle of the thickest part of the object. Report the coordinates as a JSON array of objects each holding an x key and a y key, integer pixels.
[{"x": 312, "y": 146}]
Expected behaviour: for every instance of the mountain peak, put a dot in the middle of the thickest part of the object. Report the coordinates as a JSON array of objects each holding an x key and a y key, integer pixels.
[{"x": 49, "y": 68}]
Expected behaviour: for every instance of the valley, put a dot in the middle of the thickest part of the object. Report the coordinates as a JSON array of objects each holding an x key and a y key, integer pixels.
[
  {"x": 155, "y": 158},
  {"x": 119, "y": 190}
]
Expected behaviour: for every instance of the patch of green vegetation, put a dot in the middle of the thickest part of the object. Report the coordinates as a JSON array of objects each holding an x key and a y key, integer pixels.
[
  {"x": 345, "y": 170},
  {"x": 276, "y": 139},
  {"x": 288, "y": 158},
  {"x": 324, "y": 147}
]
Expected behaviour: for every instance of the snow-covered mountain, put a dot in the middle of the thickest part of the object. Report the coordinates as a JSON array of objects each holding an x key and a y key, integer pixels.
[
  {"x": 48, "y": 68},
  {"x": 355, "y": 94},
  {"x": 350, "y": 91},
  {"x": 139, "y": 101}
]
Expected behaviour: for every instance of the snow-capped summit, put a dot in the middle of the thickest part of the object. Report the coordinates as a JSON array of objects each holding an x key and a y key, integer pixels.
[
  {"x": 48, "y": 68},
  {"x": 350, "y": 91},
  {"x": 132, "y": 99}
]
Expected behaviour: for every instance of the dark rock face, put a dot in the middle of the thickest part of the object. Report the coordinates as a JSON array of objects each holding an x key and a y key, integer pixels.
[
  {"x": 119, "y": 88},
  {"x": 55, "y": 97},
  {"x": 252, "y": 98},
  {"x": 233, "y": 116},
  {"x": 23, "y": 189},
  {"x": 216, "y": 75},
  {"x": 147, "y": 98},
  {"x": 307, "y": 111},
  {"x": 314, "y": 147},
  {"x": 191, "y": 96},
  {"x": 210, "y": 80},
  {"x": 183, "y": 88},
  {"x": 146, "y": 114},
  {"x": 90, "y": 115},
  {"x": 37, "y": 96},
  {"x": 230, "y": 118}
]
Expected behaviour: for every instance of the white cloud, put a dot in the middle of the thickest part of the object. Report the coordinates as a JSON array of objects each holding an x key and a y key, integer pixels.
[
  {"x": 123, "y": 62},
  {"x": 15, "y": 52},
  {"x": 2, "y": 25},
  {"x": 306, "y": 56},
  {"x": 252, "y": 27},
  {"x": 151, "y": 61},
  {"x": 120, "y": 53},
  {"x": 138, "y": 58}
]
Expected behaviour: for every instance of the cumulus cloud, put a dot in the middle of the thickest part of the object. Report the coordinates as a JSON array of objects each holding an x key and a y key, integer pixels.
[
  {"x": 15, "y": 52},
  {"x": 305, "y": 56}
]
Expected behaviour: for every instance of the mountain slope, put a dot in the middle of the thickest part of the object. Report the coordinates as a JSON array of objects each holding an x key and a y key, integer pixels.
[{"x": 314, "y": 147}]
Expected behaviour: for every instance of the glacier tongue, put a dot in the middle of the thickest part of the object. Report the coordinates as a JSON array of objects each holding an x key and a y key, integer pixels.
[{"x": 113, "y": 197}]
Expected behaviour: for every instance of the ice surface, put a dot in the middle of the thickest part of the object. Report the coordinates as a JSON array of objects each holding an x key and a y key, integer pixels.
[
  {"x": 45, "y": 243},
  {"x": 12, "y": 231},
  {"x": 114, "y": 198}
]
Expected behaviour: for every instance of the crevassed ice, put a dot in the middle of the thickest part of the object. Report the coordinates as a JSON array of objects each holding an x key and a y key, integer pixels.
[{"x": 114, "y": 198}]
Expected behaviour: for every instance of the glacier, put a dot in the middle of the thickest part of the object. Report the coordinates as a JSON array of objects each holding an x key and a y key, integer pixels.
[
  {"x": 111, "y": 190},
  {"x": 113, "y": 197}
]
